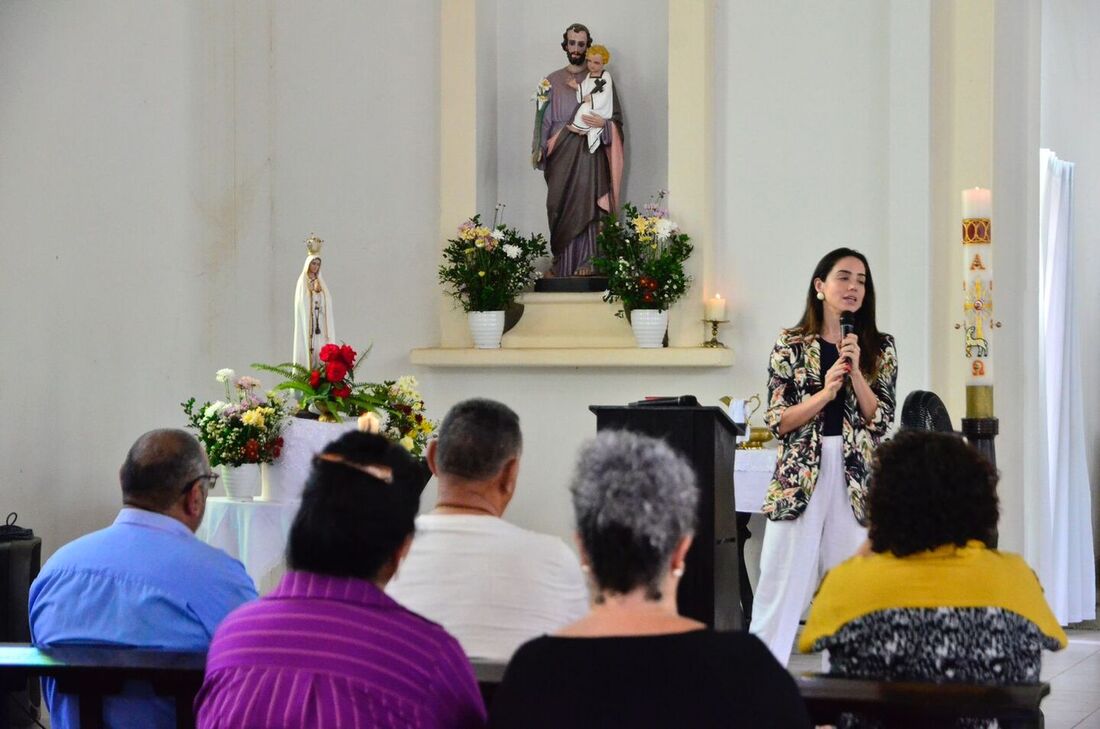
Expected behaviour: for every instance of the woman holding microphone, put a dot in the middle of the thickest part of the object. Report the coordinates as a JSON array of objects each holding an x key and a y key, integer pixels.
[{"x": 831, "y": 398}]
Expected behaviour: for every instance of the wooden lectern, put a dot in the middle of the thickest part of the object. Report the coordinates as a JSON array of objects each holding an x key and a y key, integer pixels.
[{"x": 709, "y": 590}]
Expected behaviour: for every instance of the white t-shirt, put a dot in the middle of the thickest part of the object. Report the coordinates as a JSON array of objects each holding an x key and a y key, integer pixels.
[{"x": 491, "y": 584}]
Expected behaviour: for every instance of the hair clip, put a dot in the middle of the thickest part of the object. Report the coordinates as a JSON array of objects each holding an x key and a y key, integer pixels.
[{"x": 382, "y": 473}]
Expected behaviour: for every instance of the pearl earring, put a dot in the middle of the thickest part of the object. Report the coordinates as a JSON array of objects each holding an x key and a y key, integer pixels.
[
  {"x": 820, "y": 296},
  {"x": 678, "y": 572}
]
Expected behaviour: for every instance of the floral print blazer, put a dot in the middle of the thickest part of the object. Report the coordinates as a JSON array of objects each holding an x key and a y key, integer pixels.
[{"x": 794, "y": 374}]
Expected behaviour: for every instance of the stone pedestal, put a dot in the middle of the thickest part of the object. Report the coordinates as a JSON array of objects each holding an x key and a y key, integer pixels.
[{"x": 571, "y": 320}]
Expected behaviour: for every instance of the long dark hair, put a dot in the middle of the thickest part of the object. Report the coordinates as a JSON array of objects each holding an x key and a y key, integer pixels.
[{"x": 813, "y": 318}]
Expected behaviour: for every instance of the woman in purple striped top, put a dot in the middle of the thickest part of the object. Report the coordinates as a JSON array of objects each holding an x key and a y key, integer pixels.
[{"x": 328, "y": 648}]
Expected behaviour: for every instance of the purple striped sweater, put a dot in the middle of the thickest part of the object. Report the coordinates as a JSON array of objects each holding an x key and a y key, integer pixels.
[{"x": 325, "y": 651}]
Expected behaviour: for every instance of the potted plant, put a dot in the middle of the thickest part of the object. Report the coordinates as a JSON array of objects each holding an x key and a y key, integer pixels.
[
  {"x": 484, "y": 268},
  {"x": 239, "y": 433},
  {"x": 643, "y": 257}
]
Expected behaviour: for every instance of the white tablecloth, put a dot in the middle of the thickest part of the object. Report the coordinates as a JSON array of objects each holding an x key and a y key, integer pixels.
[
  {"x": 255, "y": 532},
  {"x": 752, "y": 473},
  {"x": 303, "y": 439}
]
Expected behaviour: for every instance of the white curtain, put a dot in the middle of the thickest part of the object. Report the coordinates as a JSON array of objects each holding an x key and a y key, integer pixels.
[{"x": 1064, "y": 556}]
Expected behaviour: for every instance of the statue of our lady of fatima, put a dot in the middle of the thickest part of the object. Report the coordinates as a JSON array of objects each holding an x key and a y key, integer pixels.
[{"x": 313, "y": 326}]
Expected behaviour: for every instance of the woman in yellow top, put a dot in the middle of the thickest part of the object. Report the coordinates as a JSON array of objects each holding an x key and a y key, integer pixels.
[{"x": 932, "y": 600}]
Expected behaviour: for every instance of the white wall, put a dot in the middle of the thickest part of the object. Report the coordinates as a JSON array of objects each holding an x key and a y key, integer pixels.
[
  {"x": 1070, "y": 108},
  {"x": 129, "y": 206}
]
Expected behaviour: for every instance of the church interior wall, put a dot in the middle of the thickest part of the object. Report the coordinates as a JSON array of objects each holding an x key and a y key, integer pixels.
[{"x": 161, "y": 167}]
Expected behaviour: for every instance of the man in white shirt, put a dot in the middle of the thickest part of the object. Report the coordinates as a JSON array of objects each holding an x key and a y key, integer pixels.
[{"x": 491, "y": 584}]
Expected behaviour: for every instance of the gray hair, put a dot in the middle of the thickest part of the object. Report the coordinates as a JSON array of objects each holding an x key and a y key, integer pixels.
[
  {"x": 477, "y": 438},
  {"x": 634, "y": 499}
]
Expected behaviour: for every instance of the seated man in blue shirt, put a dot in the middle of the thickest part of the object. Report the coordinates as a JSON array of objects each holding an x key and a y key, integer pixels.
[{"x": 145, "y": 581}]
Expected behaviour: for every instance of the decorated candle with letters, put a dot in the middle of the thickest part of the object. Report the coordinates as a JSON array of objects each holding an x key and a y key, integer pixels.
[{"x": 977, "y": 240}]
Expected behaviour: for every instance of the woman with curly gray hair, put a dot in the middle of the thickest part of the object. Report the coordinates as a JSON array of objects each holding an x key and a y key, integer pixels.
[{"x": 633, "y": 660}]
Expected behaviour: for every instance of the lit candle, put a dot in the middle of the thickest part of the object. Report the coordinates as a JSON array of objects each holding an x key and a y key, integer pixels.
[
  {"x": 715, "y": 309},
  {"x": 977, "y": 240},
  {"x": 977, "y": 202}
]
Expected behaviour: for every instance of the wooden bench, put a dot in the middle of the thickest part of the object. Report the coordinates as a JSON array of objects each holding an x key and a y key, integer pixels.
[
  {"x": 92, "y": 672},
  {"x": 903, "y": 704},
  {"x": 912, "y": 704}
]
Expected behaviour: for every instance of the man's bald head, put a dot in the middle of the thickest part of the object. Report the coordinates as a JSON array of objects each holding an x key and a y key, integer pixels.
[{"x": 158, "y": 468}]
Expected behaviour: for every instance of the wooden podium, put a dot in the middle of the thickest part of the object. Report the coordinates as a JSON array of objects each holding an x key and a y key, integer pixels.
[{"x": 709, "y": 590}]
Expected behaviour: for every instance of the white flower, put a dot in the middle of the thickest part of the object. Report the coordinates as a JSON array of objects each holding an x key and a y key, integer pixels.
[
  {"x": 406, "y": 385},
  {"x": 214, "y": 408},
  {"x": 224, "y": 375},
  {"x": 541, "y": 93},
  {"x": 664, "y": 228},
  {"x": 498, "y": 234},
  {"x": 512, "y": 251}
]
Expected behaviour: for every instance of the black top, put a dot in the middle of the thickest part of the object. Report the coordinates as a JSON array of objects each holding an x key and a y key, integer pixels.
[
  {"x": 834, "y": 410},
  {"x": 695, "y": 679}
]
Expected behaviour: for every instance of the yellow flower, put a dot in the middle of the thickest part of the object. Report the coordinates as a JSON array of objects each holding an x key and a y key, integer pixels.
[
  {"x": 253, "y": 417},
  {"x": 481, "y": 273},
  {"x": 407, "y": 443},
  {"x": 426, "y": 426}
]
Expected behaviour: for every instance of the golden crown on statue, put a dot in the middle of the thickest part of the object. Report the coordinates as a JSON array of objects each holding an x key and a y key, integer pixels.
[{"x": 313, "y": 244}]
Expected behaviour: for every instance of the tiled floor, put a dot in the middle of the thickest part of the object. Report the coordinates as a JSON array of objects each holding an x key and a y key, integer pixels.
[{"x": 1073, "y": 673}]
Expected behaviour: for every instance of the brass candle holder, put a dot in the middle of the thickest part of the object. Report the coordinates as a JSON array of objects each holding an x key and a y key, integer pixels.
[{"x": 713, "y": 342}]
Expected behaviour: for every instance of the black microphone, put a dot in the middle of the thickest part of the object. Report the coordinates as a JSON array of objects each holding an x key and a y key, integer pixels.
[{"x": 847, "y": 325}]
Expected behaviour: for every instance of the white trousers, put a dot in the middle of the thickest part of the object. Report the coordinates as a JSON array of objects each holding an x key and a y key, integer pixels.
[{"x": 797, "y": 553}]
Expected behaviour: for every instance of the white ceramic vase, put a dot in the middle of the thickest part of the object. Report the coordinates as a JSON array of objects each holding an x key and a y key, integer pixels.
[
  {"x": 243, "y": 482},
  {"x": 649, "y": 327},
  {"x": 486, "y": 327}
]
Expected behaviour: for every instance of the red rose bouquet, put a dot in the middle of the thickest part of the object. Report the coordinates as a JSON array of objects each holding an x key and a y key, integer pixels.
[{"x": 329, "y": 388}]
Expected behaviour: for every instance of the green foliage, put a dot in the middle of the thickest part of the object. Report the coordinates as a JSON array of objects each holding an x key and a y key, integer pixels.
[
  {"x": 485, "y": 269},
  {"x": 643, "y": 258},
  {"x": 246, "y": 429},
  {"x": 331, "y": 398}
]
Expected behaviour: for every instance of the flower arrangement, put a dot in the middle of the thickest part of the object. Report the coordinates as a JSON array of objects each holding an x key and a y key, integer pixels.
[
  {"x": 485, "y": 267},
  {"x": 405, "y": 422},
  {"x": 393, "y": 408},
  {"x": 329, "y": 388},
  {"x": 243, "y": 428},
  {"x": 643, "y": 257}
]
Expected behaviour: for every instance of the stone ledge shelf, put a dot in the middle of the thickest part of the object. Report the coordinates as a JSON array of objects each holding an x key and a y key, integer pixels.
[{"x": 573, "y": 357}]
